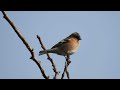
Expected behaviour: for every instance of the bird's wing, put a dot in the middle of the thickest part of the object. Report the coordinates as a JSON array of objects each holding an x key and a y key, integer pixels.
[{"x": 61, "y": 42}]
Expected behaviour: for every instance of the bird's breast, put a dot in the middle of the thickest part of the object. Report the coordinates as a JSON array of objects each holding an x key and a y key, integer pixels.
[{"x": 70, "y": 47}]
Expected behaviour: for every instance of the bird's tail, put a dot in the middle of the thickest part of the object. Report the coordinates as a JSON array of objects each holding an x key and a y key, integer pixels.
[
  {"x": 42, "y": 52},
  {"x": 46, "y": 51}
]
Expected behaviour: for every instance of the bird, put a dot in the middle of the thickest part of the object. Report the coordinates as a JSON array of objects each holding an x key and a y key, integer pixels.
[{"x": 67, "y": 46}]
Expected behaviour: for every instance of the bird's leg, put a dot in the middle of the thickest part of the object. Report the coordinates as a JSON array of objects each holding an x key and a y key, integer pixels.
[{"x": 68, "y": 59}]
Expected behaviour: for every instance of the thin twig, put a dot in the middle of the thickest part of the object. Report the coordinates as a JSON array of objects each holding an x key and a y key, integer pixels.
[
  {"x": 67, "y": 73},
  {"x": 26, "y": 44},
  {"x": 49, "y": 58},
  {"x": 66, "y": 66}
]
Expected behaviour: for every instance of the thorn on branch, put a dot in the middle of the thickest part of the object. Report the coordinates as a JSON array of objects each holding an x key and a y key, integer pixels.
[{"x": 31, "y": 57}]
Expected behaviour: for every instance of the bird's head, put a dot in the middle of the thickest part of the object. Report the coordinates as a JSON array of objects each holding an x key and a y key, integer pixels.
[{"x": 76, "y": 35}]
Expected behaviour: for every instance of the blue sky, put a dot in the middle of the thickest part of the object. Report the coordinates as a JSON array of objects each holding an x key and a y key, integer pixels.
[{"x": 97, "y": 58}]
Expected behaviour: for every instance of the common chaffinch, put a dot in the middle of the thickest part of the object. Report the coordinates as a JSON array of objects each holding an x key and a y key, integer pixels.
[{"x": 65, "y": 47}]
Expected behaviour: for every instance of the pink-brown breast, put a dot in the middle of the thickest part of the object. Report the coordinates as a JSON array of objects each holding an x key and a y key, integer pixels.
[{"x": 70, "y": 47}]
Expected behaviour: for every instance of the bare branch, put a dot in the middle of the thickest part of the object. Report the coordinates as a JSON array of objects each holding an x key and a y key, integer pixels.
[
  {"x": 66, "y": 66},
  {"x": 49, "y": 58},
  {"x": 26, "y": 44}
]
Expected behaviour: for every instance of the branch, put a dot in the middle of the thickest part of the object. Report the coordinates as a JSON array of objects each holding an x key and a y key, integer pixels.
[
  {"x": 49, "y": 58},
  {"x": 26, "y": 44},
  {"x": 66, "y": 66}
]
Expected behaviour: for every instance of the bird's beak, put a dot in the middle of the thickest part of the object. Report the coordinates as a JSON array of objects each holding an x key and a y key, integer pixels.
[{"x": 80, "y": 38}]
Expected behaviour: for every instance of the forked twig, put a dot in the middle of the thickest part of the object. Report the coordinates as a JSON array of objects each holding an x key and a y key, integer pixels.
[{"x": 66, "y": 66}]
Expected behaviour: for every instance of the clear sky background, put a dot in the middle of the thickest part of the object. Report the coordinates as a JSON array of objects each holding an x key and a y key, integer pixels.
[{"x": 97, "y": 58}]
